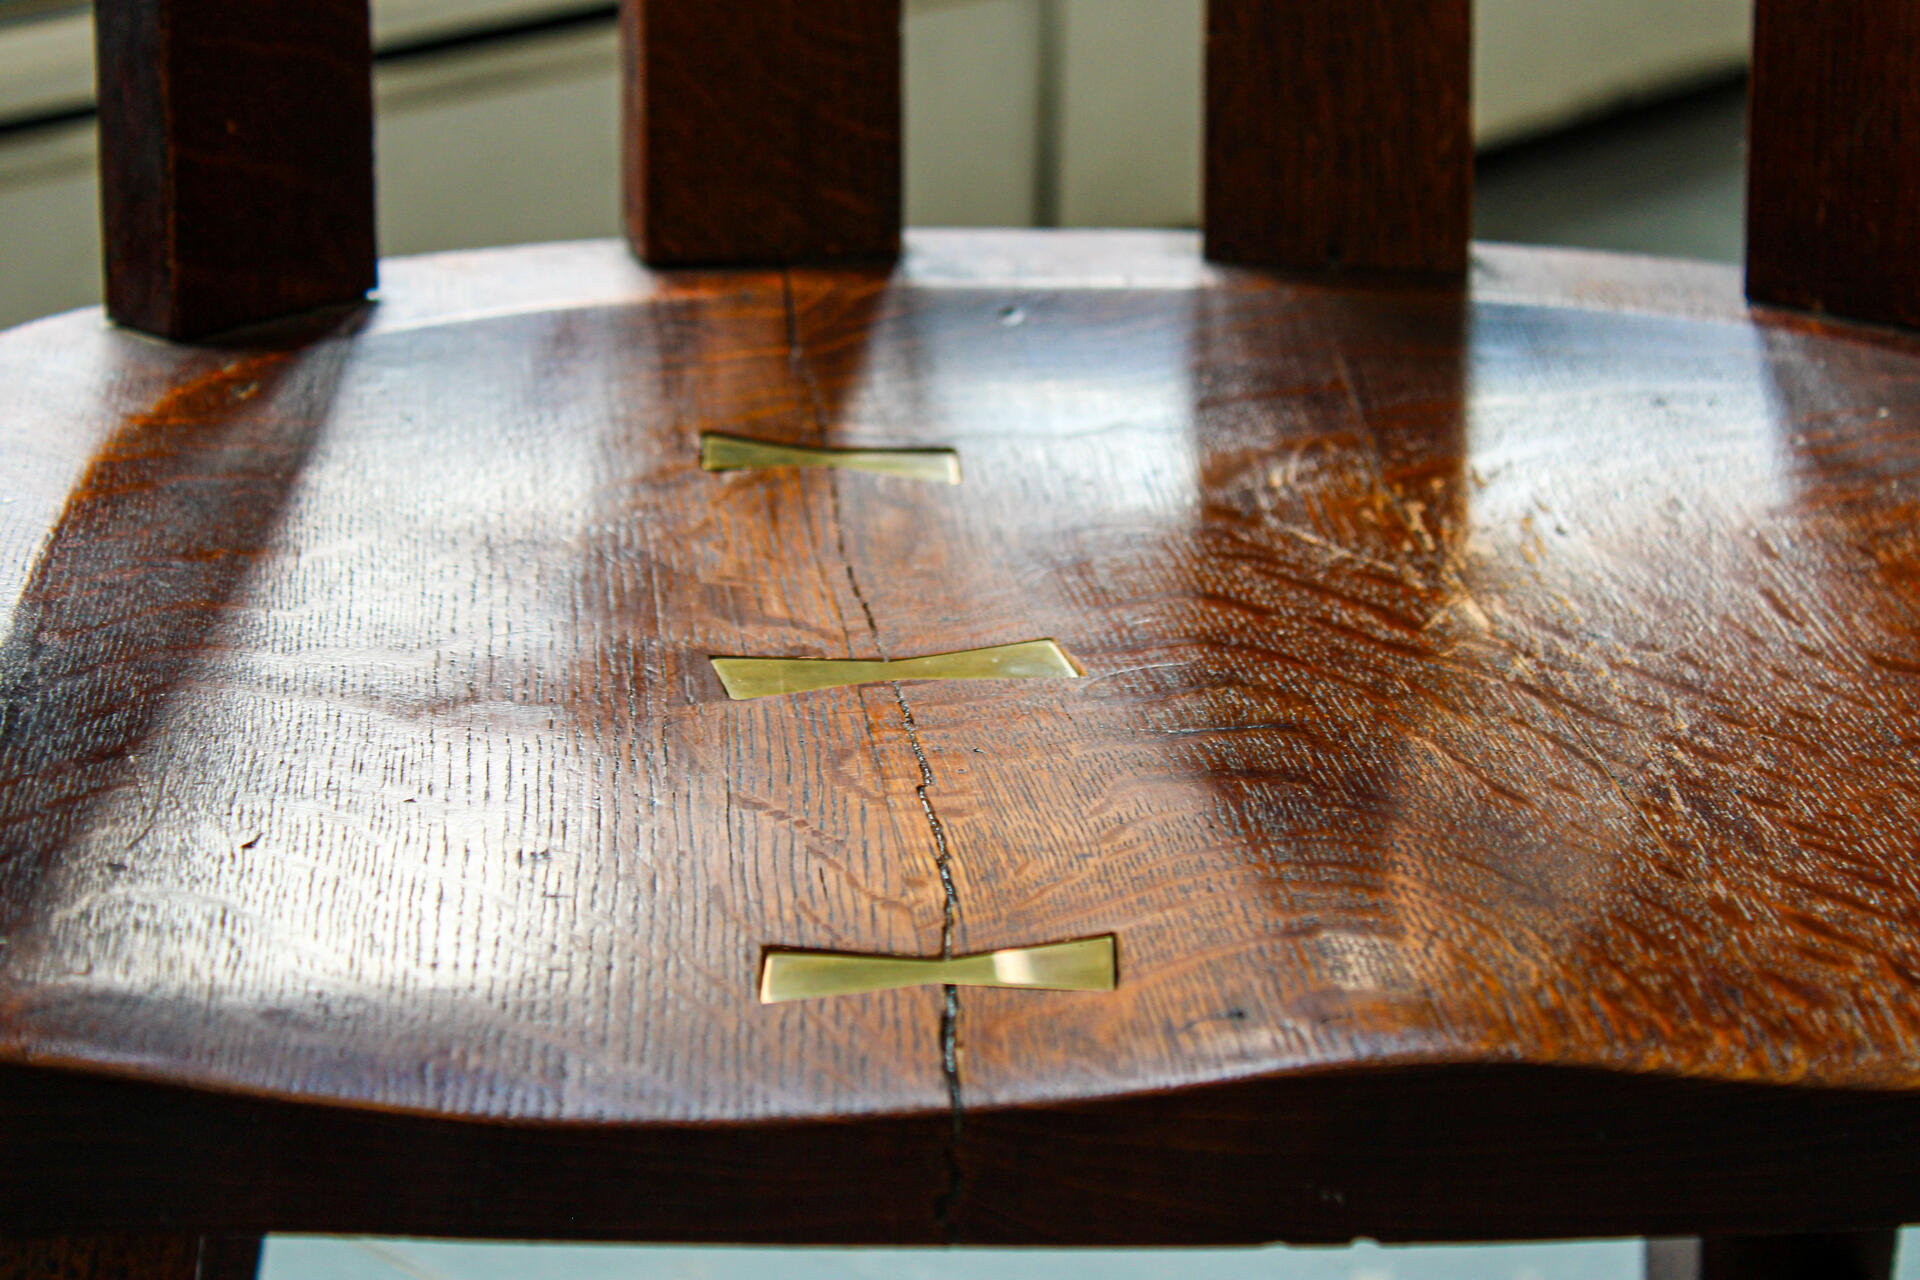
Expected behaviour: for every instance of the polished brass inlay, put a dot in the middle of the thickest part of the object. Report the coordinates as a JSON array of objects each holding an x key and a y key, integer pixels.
[
  {"x": 720, "y": 452},
  {"x": 761, "y": 677},
  {"x": 1085, "y": 964}
]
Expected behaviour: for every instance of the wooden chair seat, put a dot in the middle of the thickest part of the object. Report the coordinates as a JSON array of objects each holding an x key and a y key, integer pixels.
[{"x": 1495, "y": 756}]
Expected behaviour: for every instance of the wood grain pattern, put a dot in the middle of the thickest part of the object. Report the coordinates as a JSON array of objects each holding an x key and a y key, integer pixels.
[
  {"x": 1408, "y": 653},
  {"x": 570, "y": 802},
  {"x": 762, "y": 131},
  {"x": 1338, "y": 135},
  {"x": 130, "y": 1257},
  {"x": 1833, "y": 216},
  {"x": 1497, "y": 740},
  {"x": 236, "y": 160}
]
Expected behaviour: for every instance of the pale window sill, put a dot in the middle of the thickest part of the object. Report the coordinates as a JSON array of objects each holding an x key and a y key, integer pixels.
[{"x": 46, "y": 64}]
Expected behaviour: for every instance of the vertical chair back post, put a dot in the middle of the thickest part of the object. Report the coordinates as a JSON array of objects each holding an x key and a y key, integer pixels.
[
  {"x": 762, "y": 131},
  {"x": 237, "y": 167},
  {"x": 236, "y": 160},
  {"x": 1338, "y": 134},
  {"x": 1833, "y": 203}
]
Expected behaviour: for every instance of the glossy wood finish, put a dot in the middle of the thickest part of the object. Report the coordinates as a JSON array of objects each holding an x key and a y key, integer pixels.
[
  {"x": 236, "y": 160},
  {"x": 130, "y": 1257},
  {"x": 1833, "y": 206},
  {"x": 762, "y": 131},
  {"x": 1338, "y": 134},
  {"x": 1495, "y": 757}
]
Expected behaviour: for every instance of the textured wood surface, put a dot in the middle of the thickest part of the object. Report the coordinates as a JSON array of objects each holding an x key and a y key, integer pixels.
[
  {"x": 1833, "y": 204},
  {"x": 236, "y": 160},
  {"x": 1497, "y": 710},
  {"x": 762, "y": 131},
  {"x": 130, "y": 1257},
  {"x": 1338, "y": 134}
]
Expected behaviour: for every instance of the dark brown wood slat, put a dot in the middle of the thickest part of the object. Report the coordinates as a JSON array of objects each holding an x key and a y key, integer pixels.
[
  {"x": 762, "y": 131},
  {"x": 1833, "y": 202},
  {"x": 1441, "y": 1153},
  {"x": 1338, "y": 134},
  {"x": 236, "y": 160},
  {"x": 127, "y": 1256},
  {"x": 1837, "y": 1255},
  {"x": 1420, "y": 1154},
  {"x": 99, "y": 1154}
]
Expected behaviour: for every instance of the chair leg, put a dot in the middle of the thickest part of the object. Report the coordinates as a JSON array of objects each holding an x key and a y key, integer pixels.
[
  {"x": 1839, "y": 1255},
  {"x": 130, "y": 1256},
  {"x": 1673, "y": 1259}
]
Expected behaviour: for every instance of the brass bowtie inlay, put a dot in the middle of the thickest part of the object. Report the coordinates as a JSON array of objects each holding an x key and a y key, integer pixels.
[
  {"x": 720, "y": 452},
  {"x": 1085, "y": 964},
  {"x": 763, "y": 677}
]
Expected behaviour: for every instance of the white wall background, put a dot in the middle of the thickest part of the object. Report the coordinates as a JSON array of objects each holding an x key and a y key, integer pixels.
[{"x": 1080, "y": 112}]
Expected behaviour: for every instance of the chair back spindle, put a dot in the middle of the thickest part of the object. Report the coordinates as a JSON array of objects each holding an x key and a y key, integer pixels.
[
  {"x": 236, "y": 160},
  {"x": 1338, "y": 134},
  {"x": 236, "y": 143},
  {"x": 237, "y": 168},
  {"x": 762, "y": 131},
  {"x": 1833, "y": 202}
]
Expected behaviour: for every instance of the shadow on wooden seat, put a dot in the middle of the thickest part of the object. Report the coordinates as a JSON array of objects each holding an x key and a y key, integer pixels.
[{"x": 157, "y": 533}]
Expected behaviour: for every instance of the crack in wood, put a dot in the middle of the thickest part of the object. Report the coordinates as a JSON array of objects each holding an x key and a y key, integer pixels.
[{"x": 946, "y": 1204}]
